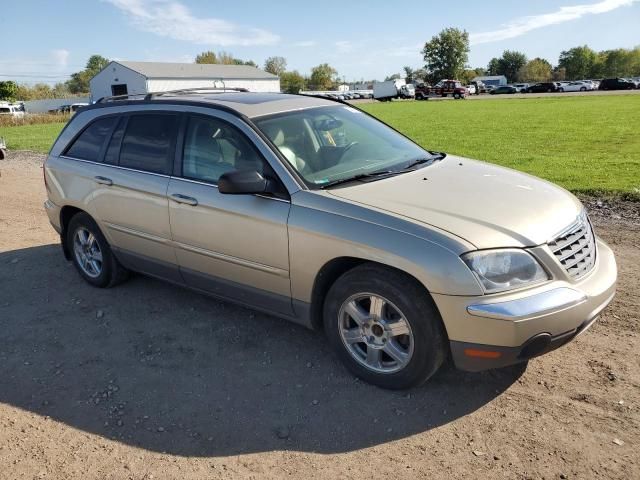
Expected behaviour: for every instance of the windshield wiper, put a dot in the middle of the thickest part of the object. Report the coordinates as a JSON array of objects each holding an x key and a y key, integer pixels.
[
  {"x": 362, "y": 176},
  {"x": 419, "y": 161}
]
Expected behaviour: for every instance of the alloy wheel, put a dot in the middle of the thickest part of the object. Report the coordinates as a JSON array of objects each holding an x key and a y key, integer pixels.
[
  {"x": 87, "y": 252},
  {"x": 375, "y": 333}
]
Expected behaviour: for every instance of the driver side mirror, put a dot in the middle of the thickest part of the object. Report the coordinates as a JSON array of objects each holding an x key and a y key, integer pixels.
[{"x": 243, "y": 182}]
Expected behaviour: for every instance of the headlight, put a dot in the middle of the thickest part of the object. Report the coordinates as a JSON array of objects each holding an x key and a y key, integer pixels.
[{"x": 499, "y": 270}]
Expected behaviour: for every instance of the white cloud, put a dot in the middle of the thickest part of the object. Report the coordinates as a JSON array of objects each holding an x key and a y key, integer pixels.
[
  {"x": 522, "y": 25},
  {"x": 344, "y": 46},
  {"x": 60, "y": 57},
  {"x": 305, "y": 43},
  {"x": 170, "y": 18}
]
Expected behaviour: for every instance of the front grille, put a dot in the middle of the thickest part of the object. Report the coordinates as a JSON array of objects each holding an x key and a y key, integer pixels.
[{"x": 575, "y": 248}]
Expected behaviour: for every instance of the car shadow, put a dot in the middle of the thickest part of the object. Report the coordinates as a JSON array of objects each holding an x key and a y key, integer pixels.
[{"x": 162, "y": 368}]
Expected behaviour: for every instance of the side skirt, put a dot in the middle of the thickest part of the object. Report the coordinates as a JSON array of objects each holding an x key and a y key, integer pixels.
[{"x": 221, "y": 289}]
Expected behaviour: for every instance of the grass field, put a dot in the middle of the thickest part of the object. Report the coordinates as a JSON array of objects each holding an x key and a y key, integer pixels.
[
  {"x": 586, "y": 144},
  {"x": 38, "y": 137}
]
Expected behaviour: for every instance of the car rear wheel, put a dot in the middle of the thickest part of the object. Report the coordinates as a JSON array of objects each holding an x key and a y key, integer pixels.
[
  {"x": 91, "y": 253},
  {"x": 583, "y": 89},
  {"x": 384, "y": 327}
]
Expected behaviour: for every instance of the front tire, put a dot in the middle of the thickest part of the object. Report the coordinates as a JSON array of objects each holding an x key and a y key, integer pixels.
[
  {"x": 91, "y": 253},
  {"x": 384, "y": 327}
]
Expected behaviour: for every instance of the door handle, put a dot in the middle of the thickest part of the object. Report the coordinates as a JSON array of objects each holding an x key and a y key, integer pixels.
[
  {"x": 103, "y": 180},
  {"x": 179, "y": 198}
]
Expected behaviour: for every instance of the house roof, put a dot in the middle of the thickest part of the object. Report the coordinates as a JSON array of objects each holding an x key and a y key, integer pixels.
[{"x": 197, "y": 70}]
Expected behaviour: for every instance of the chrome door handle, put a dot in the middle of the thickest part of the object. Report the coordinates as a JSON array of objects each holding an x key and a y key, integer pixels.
[
  {"x": 179, "y": 198},
  {"x": 103, "y": 180}
]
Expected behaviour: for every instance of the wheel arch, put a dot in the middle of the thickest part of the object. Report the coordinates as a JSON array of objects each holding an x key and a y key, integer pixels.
[
  {"x": 334, "y": 269},
  {"x": 66, "y": 214}
]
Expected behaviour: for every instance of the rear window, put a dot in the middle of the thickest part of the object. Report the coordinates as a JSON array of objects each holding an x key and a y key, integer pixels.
[
  {"x": 148, "y": 142},
  {"x": 88, "y": 145}
]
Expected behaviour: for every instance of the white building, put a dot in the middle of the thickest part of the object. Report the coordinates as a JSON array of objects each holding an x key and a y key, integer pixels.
[
  {"x": 495, "y": 80},
  {"x": 121, "y": 78}
]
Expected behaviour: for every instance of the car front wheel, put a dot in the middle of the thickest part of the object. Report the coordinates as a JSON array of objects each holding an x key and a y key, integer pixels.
[
  {"x": 91, "y": 254},
  {"x": 384, "y": 327}
]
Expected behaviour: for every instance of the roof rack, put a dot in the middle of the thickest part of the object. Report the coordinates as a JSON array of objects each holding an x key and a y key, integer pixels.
[{"x": 182, "y": 91}]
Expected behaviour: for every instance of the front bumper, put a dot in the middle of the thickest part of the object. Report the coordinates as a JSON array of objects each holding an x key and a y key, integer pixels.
[{"x": 498, "y": 330}]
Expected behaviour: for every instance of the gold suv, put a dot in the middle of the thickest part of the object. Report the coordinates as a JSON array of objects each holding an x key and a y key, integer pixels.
[{"x": 314, "y": 211}]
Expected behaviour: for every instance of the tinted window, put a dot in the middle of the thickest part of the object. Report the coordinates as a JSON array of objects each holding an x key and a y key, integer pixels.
[
  {"x": 88, "y": 145},
  {"x": 213, "y": 147},
  {"x": 113, "y": 150},
  {"x": 148, "y": 142}
]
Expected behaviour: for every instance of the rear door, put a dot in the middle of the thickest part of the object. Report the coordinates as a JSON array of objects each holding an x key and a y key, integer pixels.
[
  {"x": 235, "y": 246},
  {"x": 131, "y": 191}
]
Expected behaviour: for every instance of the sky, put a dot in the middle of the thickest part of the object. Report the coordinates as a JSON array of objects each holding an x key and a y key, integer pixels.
[{"x": 45, "y": 41}]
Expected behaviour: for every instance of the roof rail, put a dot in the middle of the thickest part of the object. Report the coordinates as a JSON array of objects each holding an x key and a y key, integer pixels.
[{"x": 182, "y": 91}]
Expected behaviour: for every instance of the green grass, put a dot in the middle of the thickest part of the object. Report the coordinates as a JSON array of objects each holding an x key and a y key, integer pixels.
[
  {"x": 38, "y": 137},
  {"x": 586, "y": 144}
]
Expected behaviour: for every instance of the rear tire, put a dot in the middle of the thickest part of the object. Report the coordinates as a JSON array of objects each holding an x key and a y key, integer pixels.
[
  {"x": 407, "y": 324},
  {"x": 91, "y": 253}
]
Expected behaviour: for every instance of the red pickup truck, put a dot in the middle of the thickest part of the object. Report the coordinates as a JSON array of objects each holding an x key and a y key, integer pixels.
[{"x": 443, "y": 88}]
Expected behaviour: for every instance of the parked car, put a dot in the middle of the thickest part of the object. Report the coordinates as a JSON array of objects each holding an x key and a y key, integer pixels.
[
  {"x": 443, "y": 88},
  {"x": 542, "y": 87},
  {"x": 314, "y": 211},
  {"x": 503, "y": 89},
  {"x": 521, "y": 87},
  {"x": 488, "y": 88},
  {"x": 12, "y": 109},
  {"x": 616, "y": 84},
  {"x": 575, "y": 87},
  {"x": 472, "y": 89}
]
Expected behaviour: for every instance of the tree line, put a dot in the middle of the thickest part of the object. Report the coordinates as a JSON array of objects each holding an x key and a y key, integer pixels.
[{"x": 446, "y": 55}]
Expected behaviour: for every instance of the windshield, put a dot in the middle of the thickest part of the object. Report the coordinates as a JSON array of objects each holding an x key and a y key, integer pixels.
[{"x": 334, "y": 143}]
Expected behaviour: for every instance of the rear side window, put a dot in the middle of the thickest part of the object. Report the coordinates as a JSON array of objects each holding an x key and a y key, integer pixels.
[
  {"x": 113, "y": 149},
  {"x": 149, "y": 142},
  {"x": 89, "y": 144}
]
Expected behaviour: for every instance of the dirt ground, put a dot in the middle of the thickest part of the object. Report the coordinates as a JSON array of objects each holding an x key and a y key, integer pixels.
[{"x": 148, "y": 380}]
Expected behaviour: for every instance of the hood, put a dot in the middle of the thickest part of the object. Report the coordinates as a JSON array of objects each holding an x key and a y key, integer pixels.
[{"x": 487, "y": 205}]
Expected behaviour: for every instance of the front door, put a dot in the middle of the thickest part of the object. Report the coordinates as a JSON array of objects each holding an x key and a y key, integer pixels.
[{"x": 235, "y": 246}]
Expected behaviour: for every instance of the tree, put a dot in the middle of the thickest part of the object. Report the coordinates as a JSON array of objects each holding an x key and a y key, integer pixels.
[
  {"x": 291, "y": 82},
  {"x": 222, "y": 58},
  {"x": 536, "y": 70},
  {"x": 395, "y": 76},
  {"x": 493, "y": 67},
  {"x": 207, "y": 57},
  {"x": 408, "y": 74},
  {"x": 8, "y": 90},
  {"x": 322, "y": 77},
  {"x": 420, "y": 75},
  {"x": 510, "y": 63},
  {"x": 446, "y": 54},
  {"x": 275, "y": 65},
  {"x": 578, "y": 62},
  {"x": 79, "y": 82},
  {"x": 559, "y": 74}
]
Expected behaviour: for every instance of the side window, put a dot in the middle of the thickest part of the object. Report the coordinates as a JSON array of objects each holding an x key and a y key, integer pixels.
[
  {"x": 148, "y": 142},
  {"x": 88, "y": 145},
  {"x": 213, "y": 147},
  {"x": 113, "y": 149}
]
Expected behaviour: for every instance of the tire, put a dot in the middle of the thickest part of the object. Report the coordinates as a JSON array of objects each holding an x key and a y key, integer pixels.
[
  {"x": 423, "y": 348},
  {"x": 104, "y": 273},
  {"x": 583, "y": 89},
  {"x": 561, "y": 90},
  {"x": 456, "y": 96}
]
